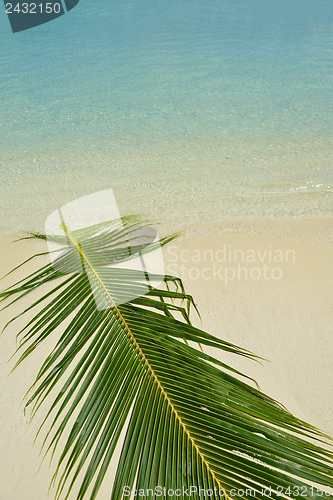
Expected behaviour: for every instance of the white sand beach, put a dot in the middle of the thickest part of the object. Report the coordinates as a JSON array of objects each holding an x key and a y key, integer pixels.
[{"x": 264, "y": 285}]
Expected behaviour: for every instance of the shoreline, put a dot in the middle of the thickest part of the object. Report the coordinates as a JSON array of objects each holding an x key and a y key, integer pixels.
[{"x": 316, "y": 230}]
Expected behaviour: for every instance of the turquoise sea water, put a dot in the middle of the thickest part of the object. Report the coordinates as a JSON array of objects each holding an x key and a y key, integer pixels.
[{"x": 191, "y": 110}]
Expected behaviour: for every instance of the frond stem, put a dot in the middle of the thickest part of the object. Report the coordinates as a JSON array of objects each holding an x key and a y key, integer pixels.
[{"x": 86, "y": 261}]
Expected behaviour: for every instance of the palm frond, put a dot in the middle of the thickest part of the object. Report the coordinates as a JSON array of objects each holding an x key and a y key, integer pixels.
[{"x": 128, "y": 353}]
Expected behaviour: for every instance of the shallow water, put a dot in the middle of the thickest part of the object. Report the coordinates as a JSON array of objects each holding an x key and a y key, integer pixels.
[{"x": 191, "y": 111}]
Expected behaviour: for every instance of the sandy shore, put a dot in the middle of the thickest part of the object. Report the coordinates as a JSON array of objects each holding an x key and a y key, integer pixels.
[{"x": 266, "y": 286}]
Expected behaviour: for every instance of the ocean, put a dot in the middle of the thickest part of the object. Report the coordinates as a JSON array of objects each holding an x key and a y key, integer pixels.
[{"x": 192, "y": 111}]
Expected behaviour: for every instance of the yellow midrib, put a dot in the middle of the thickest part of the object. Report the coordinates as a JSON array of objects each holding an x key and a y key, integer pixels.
[{"x": 137, "y": 347}]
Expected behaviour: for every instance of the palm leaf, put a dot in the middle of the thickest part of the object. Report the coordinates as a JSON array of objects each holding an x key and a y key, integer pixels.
[{"x": 192, "y": 421}]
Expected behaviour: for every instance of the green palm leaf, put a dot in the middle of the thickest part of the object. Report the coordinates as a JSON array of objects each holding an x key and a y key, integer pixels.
[{"x": 192, "y": 421}]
